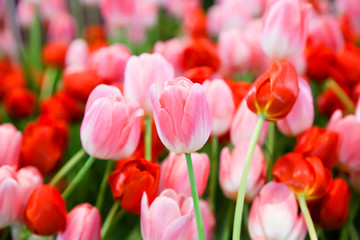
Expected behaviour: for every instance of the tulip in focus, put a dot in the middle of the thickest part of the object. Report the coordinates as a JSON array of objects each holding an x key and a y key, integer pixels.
[
  {"x": 10, "y": 145},
  {"x": 131, "y": 178},
  {"x": 231, "y": 168},
  {"x": 111, "y": 125},
  {"x": 45, "y": 212},
  {"x": 274, "y": 215},
  {"x": 82, "y": 223},
  {"x": 174, "y": 173},
  {"x": 182, "y": 115}
]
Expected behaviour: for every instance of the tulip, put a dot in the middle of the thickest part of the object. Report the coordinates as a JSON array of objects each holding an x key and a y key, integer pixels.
[
  {"x": 301, "y": 116},
  {"x": 25, "y": 13},
  {"x": 305, "y": 176},
  {"x": 179, "y": 220},
  {"x": 82, "y": 222},
  {"x": 199, "y": 74},
  {"x": 45, "y": 212},
  {"x": 357, "y": 110},
  {"x": 179, "y": 8},
  {"x": 131, "y": 178},
  {"x": 19, "y": 102},
  {"x": 321, "y": 143},
  {"x": 143, "y": 71},
  {"x": 174, "y": 173},
  {"x": 231, "y": 168},
  {"x": 10, "y": 145},
  {"x": 285, "y": 29},
  {"x": 182, "y": 115},
  {"x": 348, "y": 130},
  {"x": 274, "y": 214},
  {"x": 10, "y": 197},
  {"x": 239, "y": 90},
  {"x": 44, "y": 142},
  {"x": 12, "y": 78},
  {"x": 111, "y": 125},
  {"x": 331, "y": 211},
  {"x": 77, "y": 53},
  {"x": 51, "y": 8},
  {"x": 328, "y": 103},
  {"x": 221, "y": 111},
  {"x": 274, "y": 93},
  {"x": 54, "y": 53},
  {"x": 243, "y": 125},
  {"x": 62, "y": 27},
  {"x": 29, "y": 178}
]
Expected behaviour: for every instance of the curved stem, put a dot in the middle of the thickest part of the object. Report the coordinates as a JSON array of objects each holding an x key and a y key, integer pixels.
[
  {"x": 241, "y": 193},
  {"x": 213, "y": 170},
  {"x": 308, "y": 220},
  {"x": 78, "y": 177},
  {"x": 341, "y": 94},
  {"x": 195, "y": 197},
  {"x": 270, "y": 147},
  {"x": 101, "y": 195},
  {"x": 107, "y": 223},
  {"x": 67, "y": 167},
  {"x": 148, "y": 121}
]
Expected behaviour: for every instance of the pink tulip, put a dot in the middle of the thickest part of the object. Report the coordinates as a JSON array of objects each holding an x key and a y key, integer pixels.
[
  {"x": 243, "y": 125},
  {"x": 301, "y": 116},
  {"x": 82, "y": 223},
  {"x": 285, "y": 27},
  {"x": 182, "y": 115},
  {"x": 232, "y": 165},
  {"x": 178, "y": 8},
  {"x": 62, "y": 27},
  {"x": 10, "y": 145},
  {"x": 8, "y": 44},
  {"x": 25, "y": 12},
  {"x": 111, "y": 125},
  {"x": 29, "y": 178},
  {"x": 77, "y": 54},
  {"x": 274, "y": 214},
  {"x": 174, "y": 173},
  {"x": 171, "y": 216},
  {"x": 221, "y": 111},
  {"x": 10, "y": 197},
  {"x": 348, "y": 129},
  {"x": 51, "y": 8},
  {"x": 110, "y": 62},
  {"x": 143, "y": 71},
  {"x": 350, "y": 9}
]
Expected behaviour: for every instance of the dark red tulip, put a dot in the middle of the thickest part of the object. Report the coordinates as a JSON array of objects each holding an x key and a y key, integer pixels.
[
  {"x": 274, "y": 93},
  {"x": 131, "y": 179},
  {"x": 54, "y": 53},
  {"x": 19, "y": 102},
  {"x": 321, "y": 143},
  {"x": 45, "y": 211},
  {"x": 327, "y": 102},
  {"x": 305, "y": 176}
]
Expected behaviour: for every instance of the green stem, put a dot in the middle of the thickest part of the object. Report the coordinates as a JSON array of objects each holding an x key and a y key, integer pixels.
[
  {"x": 195, "y": 197},
  {"x": 308, "y": 220},
  {"x": 106, "y": 226},
  {"x": 241, "y": 193},
  {"x": 230, "y": 217},
  {"x": 213, "y": 170},
  {"x": 341, "y": 94},
  {"x": 35, "y": 40},
  {"x": 270, "y": 146},
  {"x": 101, "y": 195},
  {"x": 148, "y": 133},
  {"x": 353, "y": 233},
  {"x": 67, "y": 167},
  {"x": 47, "y": 86},
  {"x": 78, "y": 177},
  {"x": 78, "y": 13}
]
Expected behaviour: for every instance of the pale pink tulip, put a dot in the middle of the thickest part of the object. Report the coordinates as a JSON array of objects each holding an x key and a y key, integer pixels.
[
  {"x": 174, "y": 173},
  {"x": 285, "y": 28},
  {"x": 143, "y": 71},
  {"x": 110, "y": 62},
  {"x": 301, "y": 116},
  {"x": 8, "y": 45},
  {"x": 29, "y": 178},
  {"x": 62, "y": 27},
  {"x": 171, "y": 216},
  {"x": 178, "y": 8},
  {"x": 274, "y": 214},
  {"x": 82, "y": 223},
  {"x": 231, "y": 168},
  {"x": 221, "y": 104},
  {"x": 182, "y": 115},
  {"x": 243, "y": 125},
  {"x": 25, "y": 12},
  {"x": 10, "y": 197},
  {"x": 111, "y": 125},
  {"x": 77, "y": 54},
  {"x": 51, "y": 8},
  {"x": 10, "y": 145},
  {"x": 348, "y": 129}
]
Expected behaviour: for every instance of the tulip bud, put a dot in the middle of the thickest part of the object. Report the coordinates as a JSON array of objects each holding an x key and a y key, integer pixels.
[
  {"x": 45, "y": 212},
  {"x": 182, "y": 115},
  {"x": 54, "y": 53},
  {"x": 10, "y": 145}
]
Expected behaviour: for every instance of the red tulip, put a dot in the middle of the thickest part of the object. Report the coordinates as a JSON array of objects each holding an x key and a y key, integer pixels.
[
  {"x": 45, "y": 212},
  {"x": 305, "y": 176},
  {"x": 274, "y": 93},
  {"x": 319, "y": 60},
  {"x": 44, "y": 142},
  {"x": 199, "y": 74},
  {"x": 331, "y": 211},
  {"x": 54, "y": 53},
  {"x": 327, "y": 102},
  {"x": 195, "y": 22},
  {"x": 239, "y": 90},
  {"x": 321, "y": 143},
  {"x": 131, "y": 179},
  {"x": 19, "y": 102},
  {"x": 11, "y": 77}
]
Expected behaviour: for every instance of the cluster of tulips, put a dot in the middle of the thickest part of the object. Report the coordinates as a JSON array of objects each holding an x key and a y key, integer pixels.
[{"x": 201, "y": 120}]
